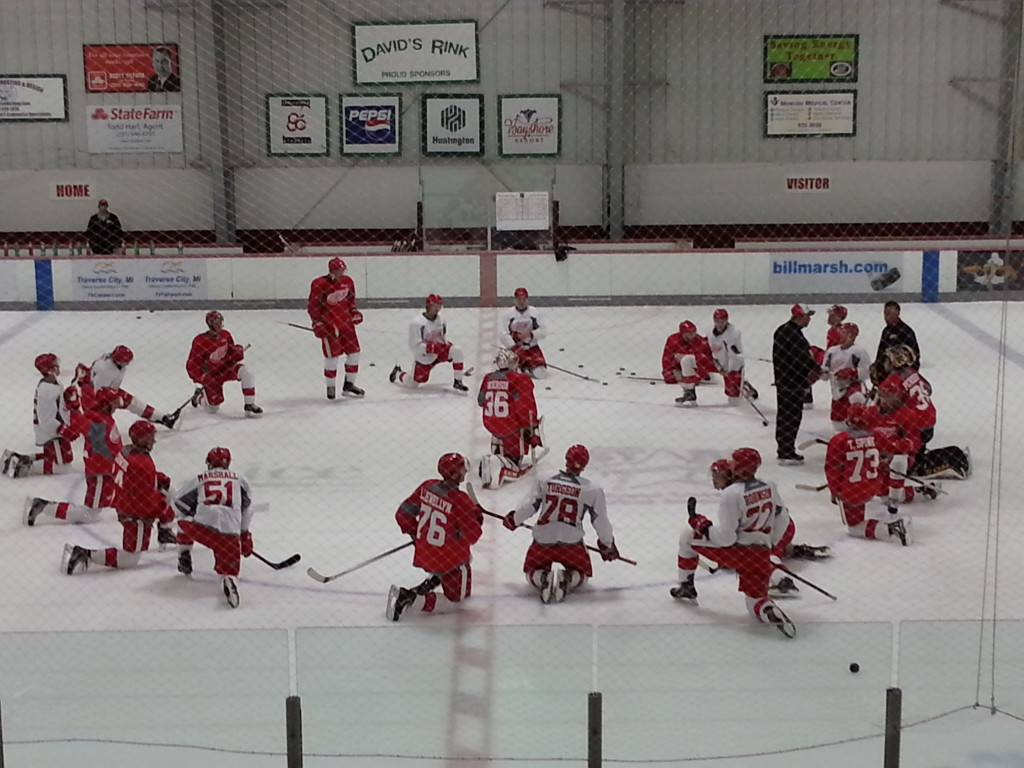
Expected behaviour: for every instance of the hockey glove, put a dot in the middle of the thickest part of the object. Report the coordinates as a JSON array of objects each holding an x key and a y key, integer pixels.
[
  {"x": 509, "y": 521},
  {"x": 700, "y": 525},
  {"x": 608, "y": 551},
  {"x": 320, "y": 329},
  {"x": 479, "y": 514},
  {"x": 163, "y": 482},
  {"x": 71, "y": 399},
  {"x": 246, "y": 543},
  {"x": 357, "y": 317},
  {"x": 236, "y": 353}
]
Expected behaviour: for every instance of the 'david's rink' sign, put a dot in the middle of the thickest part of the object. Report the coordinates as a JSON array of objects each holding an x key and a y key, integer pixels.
[
  {"x": 138, "y": 279},
  {"x": 429, "y": 52}
]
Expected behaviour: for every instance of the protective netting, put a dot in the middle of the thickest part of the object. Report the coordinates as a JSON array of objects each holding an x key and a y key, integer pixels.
[{"x": 574, "y": 252}]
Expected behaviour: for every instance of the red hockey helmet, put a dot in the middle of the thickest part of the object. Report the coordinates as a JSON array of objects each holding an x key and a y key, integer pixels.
[
  {"x": 687, "y": 327},
  {"x": 336, "y": 265},
  {"x": 891, "y": 385},
  {"x": 212, "y": 315},
  {"x": 745, "y": 462},
  {"x": 46, "y": 361},
  {"x": 576, "y": 459},
  {"x": 839, "y": 311},
  {"x": 851, "y": 328},
  {"x": 720, "y": 314},
  {"x": 522, "y": 292},
  {"x": 453, "y": 467},
  {"x": 721, "y": 473},
  {"x": 434, "y": 299},
  {"x": 218, "y": 457},
  {"x": 141, "y": 429},
  {"x": 122, "y": 355},
  {"x": 857, "y": 415},
  {"x": 108, "y": 396}
]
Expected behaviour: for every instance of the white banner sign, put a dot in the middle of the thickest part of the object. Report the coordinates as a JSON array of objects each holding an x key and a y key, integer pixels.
[
  {"x": 443, "y": 52},
  {"x": 297, "y": 125},
  {"x": 33, "y": 98},
  {"x": 453, "y": 125},
  {"x": 115, "y": 129},
  {"x": 801, "y": 272},
  {"x": 138, "y": 279},
  {"x": 530, "y": 125},
  {"x": 810, "y": 113}
]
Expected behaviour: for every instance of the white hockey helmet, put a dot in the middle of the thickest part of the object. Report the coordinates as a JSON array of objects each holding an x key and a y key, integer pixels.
[{"x": 506, "y": 358}]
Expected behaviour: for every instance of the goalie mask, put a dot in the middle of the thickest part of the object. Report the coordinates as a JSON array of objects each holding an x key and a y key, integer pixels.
[
  {"x": 900, "y": 356},
  {"x": 506, "y": 359}
]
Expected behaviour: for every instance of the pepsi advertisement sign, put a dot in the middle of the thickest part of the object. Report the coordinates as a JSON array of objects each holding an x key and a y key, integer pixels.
[{"x": 370, "y": 125}]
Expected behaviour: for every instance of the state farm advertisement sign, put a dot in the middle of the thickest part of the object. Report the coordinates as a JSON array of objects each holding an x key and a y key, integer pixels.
[{"x": 114, "y": 129}]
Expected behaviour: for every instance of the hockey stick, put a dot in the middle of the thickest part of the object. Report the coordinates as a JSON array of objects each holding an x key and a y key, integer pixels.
[
  {"x": 918, "y": 481},
  {"x": 314, "y": 574},
  {"x": 643, "y": 378},
  {"x": 288, "y": 562},
  {"x": 802, "y": 580},
  {"x": 296, "y": 325},
  {"x": 573, "y": 373},
  {"x": 472, "y": 494},
  {"x": 810, "y": 443},
  {"x": 764, "y": 421},
  {"x": 815, "y": 488}
]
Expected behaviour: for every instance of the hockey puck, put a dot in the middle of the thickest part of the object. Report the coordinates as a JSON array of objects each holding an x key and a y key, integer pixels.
[
  {"x": 561, "y": 349},
  {"x": 653, "y": 383},
  {"x": 138, "y": 317},
  {"x": 604, "y": 383},
  {"x": 547, "y": 387},
  {"x": 854, "y": 667},
  {"x": 622, "y": 369},
  {"x": 372, "y": 365},
  {"x": 152, "y": 311},
  {"x": 632, "y": 373},
  {"x": 580, "y": 365}
]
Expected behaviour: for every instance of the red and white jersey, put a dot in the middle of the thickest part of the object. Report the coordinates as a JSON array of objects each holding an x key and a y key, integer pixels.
[
  {"x": 211, "y": 355},
  {"x": 522, "y": 328},
  {"x": 747, "y": 516},
  {"x": 917, "y": 396},
  {"x": 854, "y": 465},
  {"x": 845, "y": 366},
  {"x": 727, "y": 347},
  {"x": 423, "y": 330},
  {"x": 332, "y": 301},
  {"x": 563, "y": 500},
  {"x": 138, "y": 495},
  {"x": 832, "y": 338},
  {"x": 49, "y": 411},
  {"x": 103, "y": 445},
  {"x": 507, "y": 401},
  {"x": 106, "y": 373},
  {"x": 217, "y": 498},
  {"x": 445, "y": 523}
]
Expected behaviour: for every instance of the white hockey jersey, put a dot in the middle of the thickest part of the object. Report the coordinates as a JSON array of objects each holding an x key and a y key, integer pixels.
[
  {"x": 49, "y": 411},
  {"x": 218, "y": 499},
  {"x": 423, "y": 330},
  {"x": 727, "y": 347},
  {"x": 106, "y": 373},
  {"x": 839, "y": 358},
  {"x": 516, "y": 321},
  {"x": 749, "y": 514},
  {"x": 563, "y": 499}
]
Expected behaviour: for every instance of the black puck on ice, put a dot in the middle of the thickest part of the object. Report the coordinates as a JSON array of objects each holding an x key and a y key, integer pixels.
[
  {"x": 854, "y": 667},
  {"x": 580, "y": 365},
  {"x": 632, "y": 373},
  {"x": 372, "y": 364},
  {"x": 652, "y": 383},
  {"x": 604, "y": 383},
  {"x": 561, "y": 349},
  {"x": 547, "y": 387},
  {"x": 138, "y": 317}
]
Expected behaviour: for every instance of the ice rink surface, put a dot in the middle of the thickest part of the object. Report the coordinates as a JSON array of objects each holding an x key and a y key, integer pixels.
[{"x": 142, "y": 656}]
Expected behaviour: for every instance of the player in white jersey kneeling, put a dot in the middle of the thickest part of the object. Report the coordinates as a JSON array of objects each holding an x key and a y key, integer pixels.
[
  {"x": 510, "y": 415},
  {"x": 108, "y": 371},
  {"x": 563, "y": 499},
  {"x": 522, "y": 330},
  {"x": 749, "y": 525},
  {"x": 430, "y": 346},
  {"x": 215, "y": 510},
  {"x": 726, "y": 344},
  {"x": 846, "y": 365}
]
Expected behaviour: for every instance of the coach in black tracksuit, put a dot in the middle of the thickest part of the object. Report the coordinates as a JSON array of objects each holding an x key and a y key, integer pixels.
[
  {"x": 795, "y": 371},
  {"x": 896, "y": 333}
]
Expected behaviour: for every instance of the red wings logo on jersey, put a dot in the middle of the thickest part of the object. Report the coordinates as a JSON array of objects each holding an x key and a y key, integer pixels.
[
  {"x": 338, "y": 296},
  {"x": 219, "y": 354}
]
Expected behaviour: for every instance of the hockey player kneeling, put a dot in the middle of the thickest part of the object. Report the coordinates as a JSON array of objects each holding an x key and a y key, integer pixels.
[{"x": 510, "y": 415}]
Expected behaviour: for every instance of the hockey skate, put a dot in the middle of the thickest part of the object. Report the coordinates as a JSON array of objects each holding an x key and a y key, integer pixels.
[
  {"x": 33, "y": 507},
  {"x": 790, "y": 459},
  {"x": 399, "y": 598},
  {"x": 784, "y": 587},
  {"x": 689, "y": 397},
  {"x": 253, "y": 411},
  {"x": 395, "y": 372},
  {"x": 685, "y": 592},
  {"x": 349, "y": 389},
  {"x": 554, "y": 585},
  {"x": 459, "y": 386},
  {"x": 75, "y": 559},
  {"x": 165, "y": 536},
  {"x": 8, "y": 461},
  {"x": 331, "y": 392},
  {"x": 901, "y": 528},
  {"x": 185, "y": 562},
  {"x": 230, "y": 586},
  {"x": 778, "y": 619},
  {"x": 808, "y": 552}
]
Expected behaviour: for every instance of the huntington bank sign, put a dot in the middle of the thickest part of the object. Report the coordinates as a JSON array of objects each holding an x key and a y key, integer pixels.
[{"x": 431, "y": 52}]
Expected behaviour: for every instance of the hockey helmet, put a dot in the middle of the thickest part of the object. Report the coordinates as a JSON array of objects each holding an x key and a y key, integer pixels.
[
  {"x": 506, "y": 358},
  {"x": 576, "y": 459},
  {"x": 851, "y": 328},
  {"x": 857, "y": 415},
  {"x": 900, "y": 356},
  {"x": 434, "y": 299},
  {"x": 453, "y": 467},
  {"x": 122, "y": 355},
  {"x": 140, "y": 430},
  {"x": 745, "y": 462},
  {"x": 687, "y": 327},
  {"x": 218, "y": 457},
  {"x": 839, "y": 311},
  {"x": 891, "y": 385},
  {"x": 721, "y": 473},
  {"x": 521, "y": 292},
  {"x": 720, "y": 314},
  {"x": 336, "y": 265},
  {"x": 212, "y": 315},
  {"x": 46, "y": 361}
]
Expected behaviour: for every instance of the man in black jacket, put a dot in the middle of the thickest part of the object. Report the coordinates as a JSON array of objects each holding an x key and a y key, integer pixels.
[
  {"x": 795, "y": 371},
  {"x": 896, "y": 333},
  {"x": 104, "y": 231}
]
